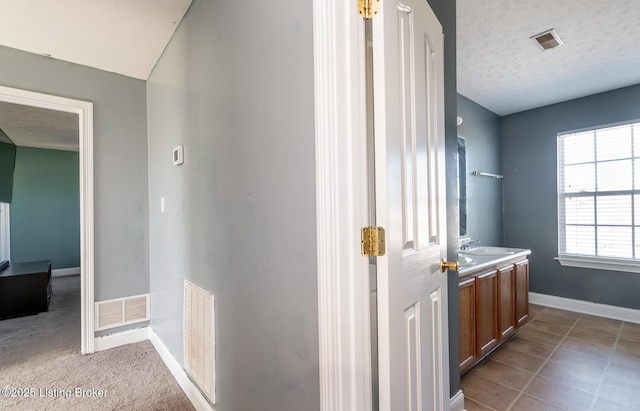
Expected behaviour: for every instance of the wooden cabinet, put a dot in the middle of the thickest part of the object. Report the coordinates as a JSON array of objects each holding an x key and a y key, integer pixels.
[
  {"x": 493, "y": 304},
  {"x": 467, "y": 292},
  {"x": 486, "y": 312},
  {"x": 506, "y": 301},
  {"x": 522, "y": 291}
]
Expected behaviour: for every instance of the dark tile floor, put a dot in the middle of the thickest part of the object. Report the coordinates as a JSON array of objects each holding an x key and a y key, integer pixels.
[{"x": 560, "y": 360}]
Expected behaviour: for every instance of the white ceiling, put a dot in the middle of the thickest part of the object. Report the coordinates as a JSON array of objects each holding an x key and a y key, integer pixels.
[
  {"x": 39, "y": 127},
  {"x": 503, "y": 70},
  {"x": 498, "y": 65},
  {"x": 121, "y": 36}
]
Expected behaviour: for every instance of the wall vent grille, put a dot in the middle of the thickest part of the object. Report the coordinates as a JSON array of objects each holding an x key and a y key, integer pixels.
[
  {"x": 121, "y": 311},
  {"x": 199, "y": 338},
  {"x": 135, "y": 309},
  {"x": 547, "y": 39}
]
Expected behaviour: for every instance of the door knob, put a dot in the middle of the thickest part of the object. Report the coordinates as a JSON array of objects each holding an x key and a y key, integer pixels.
[{"x": 444, "y": 266}]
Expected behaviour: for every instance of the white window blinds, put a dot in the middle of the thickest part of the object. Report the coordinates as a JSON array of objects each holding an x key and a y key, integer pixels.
[{"x": 599, "y": 193}]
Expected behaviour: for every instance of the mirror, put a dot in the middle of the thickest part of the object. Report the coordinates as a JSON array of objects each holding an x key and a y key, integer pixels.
[
  {"x": 479, "y": 154},
  {"x": 462, "y": 185}
]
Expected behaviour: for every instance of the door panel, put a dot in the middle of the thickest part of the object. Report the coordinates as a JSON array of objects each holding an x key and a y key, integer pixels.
[
  {"x": 506, "y": 301},
  {"x": 467, "y": 302},
  {"x": 419, "y": 146},
  {"x": 412, "y": 346},
  {"x": 409, "y": 193},
  {"x": 487, "y": 312}
]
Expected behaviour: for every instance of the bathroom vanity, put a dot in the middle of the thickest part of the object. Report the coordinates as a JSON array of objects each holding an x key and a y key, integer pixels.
[{"x": 494, "y": 299}]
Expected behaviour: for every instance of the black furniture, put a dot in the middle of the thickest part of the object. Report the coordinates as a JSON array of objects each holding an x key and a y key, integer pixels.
[{"x": 25, "y": 289}]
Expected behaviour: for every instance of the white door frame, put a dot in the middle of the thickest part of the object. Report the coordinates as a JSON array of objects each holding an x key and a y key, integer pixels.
[
  {"x": 84, "y": 110},
  {"x": 342, "y": 206},
  {"x": 5, "y": 232}
]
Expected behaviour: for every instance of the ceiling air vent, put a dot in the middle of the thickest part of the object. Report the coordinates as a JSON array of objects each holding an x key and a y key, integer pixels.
[{"x": 548, "y": 39}]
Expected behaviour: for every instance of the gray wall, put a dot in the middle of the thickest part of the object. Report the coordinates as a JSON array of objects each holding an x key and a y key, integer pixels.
[
  {"x": 45, "y": 212},
  {"x": 530, "y": 214},
  {"x": 235, "y": 87},
  {"x": 481, "y": 130},
  {"x": 120, "y": 161}
]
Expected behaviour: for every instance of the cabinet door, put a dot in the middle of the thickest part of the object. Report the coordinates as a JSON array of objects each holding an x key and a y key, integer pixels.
[
  {"x": 522, "y": 291},
  {"x": 486, "y": 312},
  {"x": 467, "y": 303},
  {"x": 506, "y": 301}
]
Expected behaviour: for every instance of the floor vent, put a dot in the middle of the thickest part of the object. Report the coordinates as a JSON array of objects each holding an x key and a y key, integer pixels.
[
  {"x": 199, "y": 338},
  {"x": 121, "y": 311}
]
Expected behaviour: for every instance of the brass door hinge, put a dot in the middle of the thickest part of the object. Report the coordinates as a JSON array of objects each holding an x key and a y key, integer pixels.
[
  {"x": 368, "y": 8},
  {"x": 373, "y": 244}
]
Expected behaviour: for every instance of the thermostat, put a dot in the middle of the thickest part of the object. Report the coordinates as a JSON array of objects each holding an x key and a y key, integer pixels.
[{"x": 178, "y": 155}]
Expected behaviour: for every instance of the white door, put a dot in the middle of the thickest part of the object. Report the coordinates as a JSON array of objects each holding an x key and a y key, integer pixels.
[{"x": 410, "y": 204}]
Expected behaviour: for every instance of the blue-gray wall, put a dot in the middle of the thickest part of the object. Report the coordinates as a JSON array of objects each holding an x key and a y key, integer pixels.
[
  {"x": 120, "y": 161},
  {"x": 530, "y": 208},
  {"x": 235, "y": 87},
  {"x": 481, "y": 130},
  {"x": 45, "y": 212}
]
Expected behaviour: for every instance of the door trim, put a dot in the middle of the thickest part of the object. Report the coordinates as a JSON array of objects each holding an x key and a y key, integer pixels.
[
  {"x": 341, "y": 206},
  {"x": 84, "y": 110},
  {"x": 5, "y": 232}
]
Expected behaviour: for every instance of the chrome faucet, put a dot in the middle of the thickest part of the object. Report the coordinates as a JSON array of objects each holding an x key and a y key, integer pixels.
[{"x": 465, "y": 245}]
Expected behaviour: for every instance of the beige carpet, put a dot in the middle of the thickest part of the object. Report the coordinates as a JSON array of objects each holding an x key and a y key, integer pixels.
[{"x": 41, "y": 367}]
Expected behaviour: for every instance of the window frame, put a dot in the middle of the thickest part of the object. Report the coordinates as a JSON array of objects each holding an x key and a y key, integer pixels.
[{"x": 595, "y": 261}]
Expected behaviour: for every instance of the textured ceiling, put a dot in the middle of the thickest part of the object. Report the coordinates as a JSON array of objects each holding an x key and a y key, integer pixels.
[
  {"x": 122, "y": 36},
  {"x": 502, "y": 69},
  {"x": 39, "y": 127},
  {"x": 498, "y": 65}
]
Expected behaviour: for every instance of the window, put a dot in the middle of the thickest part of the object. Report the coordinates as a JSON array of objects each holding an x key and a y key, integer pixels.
[{"x": 599, "y": 198}]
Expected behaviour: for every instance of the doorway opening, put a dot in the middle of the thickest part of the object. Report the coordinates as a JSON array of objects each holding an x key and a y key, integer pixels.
[{"x": 84, "y": 110}]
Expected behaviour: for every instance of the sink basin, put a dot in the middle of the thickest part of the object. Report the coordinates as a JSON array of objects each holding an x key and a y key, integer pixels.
[
  {"x": 464, "y": 261},
  {"x": 488, "y": 250}
]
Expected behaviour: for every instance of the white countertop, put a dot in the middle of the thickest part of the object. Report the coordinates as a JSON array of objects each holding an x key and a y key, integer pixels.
[{"x": 469, "y": 261}]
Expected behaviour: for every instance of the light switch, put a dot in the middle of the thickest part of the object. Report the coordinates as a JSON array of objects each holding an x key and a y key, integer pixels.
[
  {"x": 178, "y": 155},
  {"x": 162, "y": 204}
]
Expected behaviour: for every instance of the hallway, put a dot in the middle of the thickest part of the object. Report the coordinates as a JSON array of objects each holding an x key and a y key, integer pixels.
[{"x": 41, "y": 367}]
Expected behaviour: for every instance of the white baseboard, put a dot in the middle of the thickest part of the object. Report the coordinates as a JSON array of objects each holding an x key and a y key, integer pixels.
[
  {"x": 456, "y": 403},
  {"x": 586, "y": 307},
  {"x": 122, "y": 338},
  {"x": 193, "y": 393},
  {"x": 61, "y": 272},
  {"x": 142, "y": 334}
]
